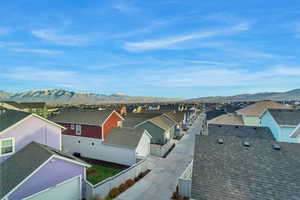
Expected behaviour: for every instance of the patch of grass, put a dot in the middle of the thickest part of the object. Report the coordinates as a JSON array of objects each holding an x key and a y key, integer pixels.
[{"x": 98, "y": 173}]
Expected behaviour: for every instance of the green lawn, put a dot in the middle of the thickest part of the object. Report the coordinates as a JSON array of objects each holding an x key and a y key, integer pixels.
[{"x": 101, "y": 173}]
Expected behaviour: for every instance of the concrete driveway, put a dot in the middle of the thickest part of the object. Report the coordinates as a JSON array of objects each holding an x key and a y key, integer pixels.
[{"x": 161, "y": 182}]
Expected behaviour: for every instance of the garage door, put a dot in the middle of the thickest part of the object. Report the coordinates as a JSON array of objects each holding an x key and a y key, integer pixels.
[{"x": 68, "y": 190}]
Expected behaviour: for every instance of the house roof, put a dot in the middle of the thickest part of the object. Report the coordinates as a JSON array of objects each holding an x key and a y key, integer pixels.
[
  {"x": 23, "y": 163},
  {"x": 229, "y": 119},
  {"x": 233, "y": 171},
  {"x": 163, "y": 122},
  {"x": 177, "y": 116},
  {"x": 14, "y": 104},
  {"x": 133, "y": 119},
  {"x": 81, "y": 116},
  {"x": 286, "y": 117},
  {"x": 240, "y": 131},
  {"x": 124, "y": 137},
  {"x": 259, "y": 108},
  {"x": 33, "y": 104},
  {"x": 296, "y": 132},
  {"x": 11, "y": 117},
  {"x": 214, "y": 113}
]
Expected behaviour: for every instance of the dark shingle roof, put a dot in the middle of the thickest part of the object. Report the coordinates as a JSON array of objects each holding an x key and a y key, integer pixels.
[
  {"x": 124, "y": 137},
  {"x": 163, "y": 122},
  {"x": 240, "y": 131},
  {"x": 81, "y": 116},
  {"x": 11, "y": 117},
  {"x": 286, "y": 116},
  {"x": 178, "y": 116},
  {"x": 133, "y": 119},
  {"x": 20, "y": 165},
  {"x": 232, "y": 171}
]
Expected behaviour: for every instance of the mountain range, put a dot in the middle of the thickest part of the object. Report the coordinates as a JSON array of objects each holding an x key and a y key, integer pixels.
[
  {"x": 59, "y": 96},
  {"x": 292, "y": 95}
]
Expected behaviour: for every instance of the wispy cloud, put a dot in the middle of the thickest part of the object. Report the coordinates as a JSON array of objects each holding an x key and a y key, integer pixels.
[
  {"x": 37, "y": 51},
  {"x": 61, "y": 38},
  {"x": 210, "y": 76},
  {"x": 125, "y": 7},
  {"x": 4, "y": 30},
  {"x": 170, "y": 42}
]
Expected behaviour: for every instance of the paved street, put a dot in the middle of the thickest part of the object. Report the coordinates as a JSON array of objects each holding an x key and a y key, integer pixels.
[{"x": 162, "y": 181}]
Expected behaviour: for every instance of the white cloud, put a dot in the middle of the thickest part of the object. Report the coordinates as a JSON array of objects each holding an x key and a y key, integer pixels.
[
  {"x": 62, "y": 39},
  {"x": 219, "y": 76},
  {"x": 170, "y": 42},
  {"x": 37, "y": 51},
  {"x": 4, "y": 31},
  {"x": 125, "y": 7}
]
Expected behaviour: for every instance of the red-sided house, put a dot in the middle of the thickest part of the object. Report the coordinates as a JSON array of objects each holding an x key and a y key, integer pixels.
[{"x": 88, "y": 123}]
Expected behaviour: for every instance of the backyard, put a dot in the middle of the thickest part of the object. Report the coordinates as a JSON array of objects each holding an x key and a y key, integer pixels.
[
  {"x": 101, "y": 170},
  {"x": 98, "y": 173}
]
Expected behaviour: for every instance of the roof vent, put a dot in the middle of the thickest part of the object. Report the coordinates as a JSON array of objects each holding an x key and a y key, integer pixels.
[
  {"x": 276, "y": 147},
  {"x": 246, "y": 144},
  {"x": 220, "y": 141}
]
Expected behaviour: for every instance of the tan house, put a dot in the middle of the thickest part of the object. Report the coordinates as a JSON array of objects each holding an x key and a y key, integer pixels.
[
  {"x": 251, "y": 114},
  {"x": 227, "y": 119}
]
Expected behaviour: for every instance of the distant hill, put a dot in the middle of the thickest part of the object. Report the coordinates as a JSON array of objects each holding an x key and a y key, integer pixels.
[
  {"x": 276, "y": 96},
  {"x": 59, "y": 96},
  {"x": 4, "y": 94}
]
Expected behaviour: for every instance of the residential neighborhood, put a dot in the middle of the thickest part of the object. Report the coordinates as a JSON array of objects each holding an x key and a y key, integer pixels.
[{"x": 149, "y": 100}]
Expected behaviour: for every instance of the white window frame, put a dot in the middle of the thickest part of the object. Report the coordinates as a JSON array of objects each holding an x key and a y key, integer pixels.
[
  {"x": 13, "y": 146},
  {"x": 119, "y": 124},
  {"x": 72, "y": 126},
  {"x": 78, "y": 129}
]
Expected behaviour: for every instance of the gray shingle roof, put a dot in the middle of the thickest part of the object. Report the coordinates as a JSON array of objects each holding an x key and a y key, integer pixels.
[
  {"x": 11, "y": 117},
  {"x": 286, "y": 117},
  {"x": 81, "y": 116},
  {"x": 232, "y": 171},
  {"x": 133, "y": 119},
  {"x": 178, "y": 116},
  {"x": 20, "y": 165},
  {"x": 163, "y": 122},
  {"x": 124, "y": 137},
  {"x": 240, "y": 131}
]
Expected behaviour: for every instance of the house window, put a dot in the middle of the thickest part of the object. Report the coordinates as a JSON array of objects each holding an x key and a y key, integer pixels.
[
  {"x": 92, "y": 144},
  {"x": 119, "y": 124},
  {"x": 78, "y": 130},
  {"x": 72, "y": 126},
  {"x": 7, "y": 146}
]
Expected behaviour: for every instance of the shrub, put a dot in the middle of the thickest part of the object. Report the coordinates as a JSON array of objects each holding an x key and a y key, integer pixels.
[
  {"x": 136, "y": 179},
  {"x": 123, "y": 187},
  {"x": 140, "y": 175},
  {"x": 129, "y": 183},
  {"x": 114, "y": 193}
]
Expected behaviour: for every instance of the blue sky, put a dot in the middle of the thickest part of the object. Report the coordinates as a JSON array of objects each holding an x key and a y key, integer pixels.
[{"x": 172, "y": 48}]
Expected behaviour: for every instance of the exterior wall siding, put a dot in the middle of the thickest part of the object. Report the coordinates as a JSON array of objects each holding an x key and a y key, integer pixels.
[
  {"x": 268, "y": 121},
  {"x": 158, "y": 134},
  {"x": 280, "y": 133},
  {"x": 86, "y": 131},
  {"x": 251, "y": 120},
  {"x": 143, "y": 149},
  {"x": 51, "y": 174},
  {"x": 93, "y": 148},
  {"x": 110, "y": 123},
  {"x": 285, "y": 133},
  {"x": 33, "y": 129}
]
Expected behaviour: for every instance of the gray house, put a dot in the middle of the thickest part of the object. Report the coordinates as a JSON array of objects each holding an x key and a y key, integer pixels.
[{"x": 161, "y": 128}]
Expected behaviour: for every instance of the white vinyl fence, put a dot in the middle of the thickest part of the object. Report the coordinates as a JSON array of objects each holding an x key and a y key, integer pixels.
[
  {"x": 185, "y": 181},
  {"x": 104, "y": 187},
  {"x": 160, "y": 150}
]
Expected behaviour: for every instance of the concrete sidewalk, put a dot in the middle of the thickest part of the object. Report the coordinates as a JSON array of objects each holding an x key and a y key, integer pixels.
[{"x": 161, "y": 182}]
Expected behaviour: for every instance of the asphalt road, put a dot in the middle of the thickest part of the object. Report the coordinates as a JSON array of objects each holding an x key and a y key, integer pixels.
[{"x": 161, "y": 182}]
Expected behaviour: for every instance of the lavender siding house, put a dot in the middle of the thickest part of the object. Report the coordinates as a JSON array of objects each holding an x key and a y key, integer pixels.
[
  {"x": 18, "y": 129},
  {"x": 32, "y": 166}
]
